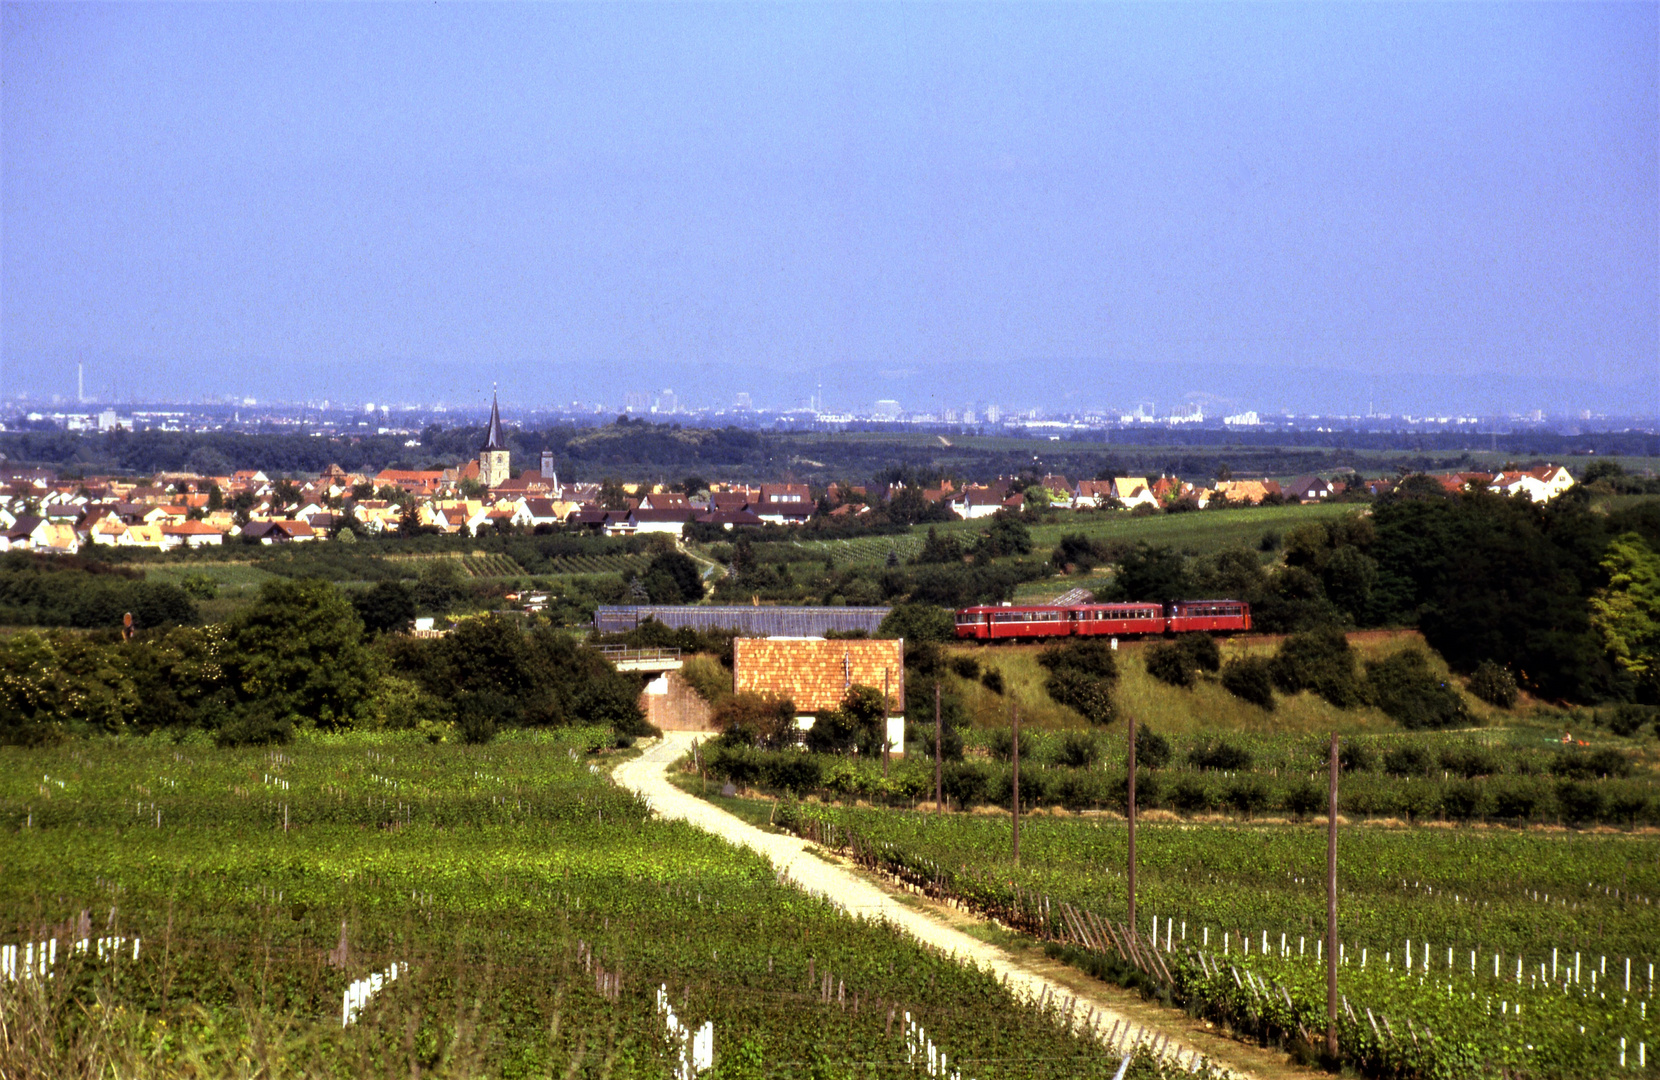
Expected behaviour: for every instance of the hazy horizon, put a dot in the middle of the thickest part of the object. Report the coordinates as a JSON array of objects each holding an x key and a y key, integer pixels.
[{"x": 1303, "y": 208}]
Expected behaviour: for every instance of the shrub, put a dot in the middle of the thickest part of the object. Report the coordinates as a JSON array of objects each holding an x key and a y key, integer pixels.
[
  {"x": 1516, "y": 802},
  {"x": 751, "y": 719},
  {"x": 1579, "y": 803},
  {"x": 992, "y": 680},
  {"x": 1247, "y": 794},
  {"x": 1191, "y": 795},
  {"x": 1579, "y": 765},
  {"x": 1169, "y": 663},
  {"x": 1494, "y": 684},
  {"x": 1001, "y": 745},
  {"x": 964, "y": 783},
  {"x": 255, "y": 723},
  {"x": 1221, "y": 756},
  {"x": 1410, "y": 693},
  {"x": 1355, "y": 756},
  {"x": 707, "y": 678},
  {"x": 1464, "y": 801},
  {"x": 1250, "y": 678},
  {"x": 1152, "y": 750},
  {"x": 918, "y": 622},
  {"x": 1087, "y": 656},
  {"x": 1303, "y": 799},
  {"x": 1089, "y": 697},
  {"x": 1408, "y": 759},
  {"x": 1627, "y": 805},
  {"x": 1202, "y": 651},
  {"x": 1319, "y": 661},
  {"x": 966, "y": 667},
  {"x": 792, "y": 772},
  {"x": 1625, "y": 720},
  {"x": 1077, "y": 750},
  {"x": 1469, "y": 761}
]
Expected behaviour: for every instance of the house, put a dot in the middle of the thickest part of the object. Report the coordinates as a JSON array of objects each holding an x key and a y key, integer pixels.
[
  {"x": 413, "y": 481},
  {"x": 531, "y": 512},
  {"x": 190, "y": 534},
  {"x": 1248, "y": 491},
  {"x": 976, "y": 501},
  {"x": 1091, "y": 494},
  {"x": 670, "y": 521},
  {"x": 28, "y": 533},
  {"x": 784, "y": 504},
  {"x": 1540, "y": 484},
  {"x": 815, "y": 674},
  {"x": 730, "y": 519},
  {"x": 1308, "y": 489},
  {"x": 1167, "y": 489},
  {"x": 1133, "y": 491},
  {"x": 665, "y": 500}
]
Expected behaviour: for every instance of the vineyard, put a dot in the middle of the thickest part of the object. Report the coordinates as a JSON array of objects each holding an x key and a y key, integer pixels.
[
  {"x": 863, "y": 550},
  {"x": 356, "y": 906},
  {"x": 1523, "y": 954},
  {"x": 596, "y": 564},
  {"x": 481, "y": 566}
]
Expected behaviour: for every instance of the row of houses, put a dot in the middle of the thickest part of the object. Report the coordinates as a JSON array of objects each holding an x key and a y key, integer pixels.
[{"x": 185, "y": 510}]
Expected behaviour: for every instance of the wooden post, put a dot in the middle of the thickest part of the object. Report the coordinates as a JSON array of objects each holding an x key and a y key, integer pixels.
[
  {"x": 887, "y": 708},
  {"x": 1016, "y": 800},
  {"x": 939, "y": 801},
  {"x": 1130, "y": 813},
  {"x": 1331, "y": 905}
]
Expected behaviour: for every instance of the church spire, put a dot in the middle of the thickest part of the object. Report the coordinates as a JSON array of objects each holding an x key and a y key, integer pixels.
[{"x": 493, "y": 439}]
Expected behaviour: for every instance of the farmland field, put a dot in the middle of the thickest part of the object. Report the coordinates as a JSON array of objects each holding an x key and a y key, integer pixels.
[
  {"x": 1532, "y": 952},
  {"x": 534, "y": 911}
]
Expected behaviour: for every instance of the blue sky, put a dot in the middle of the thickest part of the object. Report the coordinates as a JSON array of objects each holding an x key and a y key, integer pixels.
[{"x": 1250, "y": 205}]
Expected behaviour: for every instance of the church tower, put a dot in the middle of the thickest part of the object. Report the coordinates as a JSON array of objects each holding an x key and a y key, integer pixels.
[{"x": 492, "y": 456}]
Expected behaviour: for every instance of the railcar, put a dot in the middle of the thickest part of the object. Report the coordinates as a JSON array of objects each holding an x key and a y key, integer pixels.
[{"x": 1004, "y": 622}]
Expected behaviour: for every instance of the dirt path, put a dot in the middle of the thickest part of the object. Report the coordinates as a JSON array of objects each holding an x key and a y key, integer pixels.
[{"x": 1118, "y": 1018}]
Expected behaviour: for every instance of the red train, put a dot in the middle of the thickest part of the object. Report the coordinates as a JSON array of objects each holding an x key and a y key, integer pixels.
[{"x": 999, "y": 622}]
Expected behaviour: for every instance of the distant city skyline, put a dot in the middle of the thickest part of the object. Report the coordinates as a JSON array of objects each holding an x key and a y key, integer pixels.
[{"x": 1313, "y": 208}]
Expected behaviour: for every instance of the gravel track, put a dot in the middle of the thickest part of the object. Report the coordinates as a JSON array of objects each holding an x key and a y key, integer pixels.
[{"x": 795, "y": 860}]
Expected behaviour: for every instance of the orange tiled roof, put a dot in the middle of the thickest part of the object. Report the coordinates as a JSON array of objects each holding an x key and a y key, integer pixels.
[{"x": 816, "y": 674}]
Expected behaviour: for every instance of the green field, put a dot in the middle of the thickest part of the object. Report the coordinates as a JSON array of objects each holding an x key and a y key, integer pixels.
[
  {"x": 538, "y": 909},
  {"x": 1239, "y": 909}
]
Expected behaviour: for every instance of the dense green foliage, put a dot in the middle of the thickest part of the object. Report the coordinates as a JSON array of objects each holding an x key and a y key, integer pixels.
[
  {"x": 55, "y": 590},
  {"x": 537, "y": 907}
]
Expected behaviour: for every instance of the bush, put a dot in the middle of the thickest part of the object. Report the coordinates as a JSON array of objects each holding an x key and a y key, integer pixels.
[
  {"x": 1220, "y": 756},
  {"x": 1319, "y": 661},
  {"x": 966, "y": 667},
  {"x": 1169, "y": 663},
  {"x": 1087, "y": 656},
  {"x": 1247, "y": 794},
  {"x": 1494, "y": 684},
  {"x": 1250, "y": 678},
  {"x": 707, "y": 678},
  {"x": 1077, "y": 750},
  {"x": 1580, "y": 765},
  {"x": 1408, "y": 759},
  {"x": 1517, "y": 801},
  {"x": 1191, "y": 795},
  {"x": 1410, "y": 693},
  {"x": 1303, "y": 799},
  {"x": 918, "y": 623},
  {"x": 255, "y": 723},
  {"x": 790, "y": 771},
  {"x": 1202, "y": 651},
  {"x": 751, "y": 719},
  {"x": 1625, "y": 720},
  {"x": 1152, "y": 750},
  {"x": 1353, "y": 757},
  {"x": 1001, "y": 745},
  {"x": 992, "y": 680},
  {"x": 1469, "y": 761},
  {"x": 964, "y": 783},
  {"x": 1464, "y": 801},
  {"x": 1579, "y": 803},
  {"x": 1089, "y": 697}
]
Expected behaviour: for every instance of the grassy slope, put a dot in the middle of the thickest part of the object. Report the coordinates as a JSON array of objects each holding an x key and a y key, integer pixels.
[{"x": 1206, "y": 707}]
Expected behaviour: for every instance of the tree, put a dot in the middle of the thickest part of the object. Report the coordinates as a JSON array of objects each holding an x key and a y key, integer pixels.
[
  {"x": 1626, "y": 613},
  {"x": 612, "y": 496},
  {"x": 1008, "y": 535},
  {"x": 939, "y": 549},
  {"x": 388, "y": 607},
  {"x": 918, "y": 623},
  {"x": 751, "y": 719},
  {"x": 1146, "y": 572},
  {"x": 673, "y": 577},
  {"x": 300, "y": 649}
]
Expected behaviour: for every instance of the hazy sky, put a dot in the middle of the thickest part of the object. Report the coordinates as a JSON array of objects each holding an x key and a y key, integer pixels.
[{"x": 313, "y": 201}]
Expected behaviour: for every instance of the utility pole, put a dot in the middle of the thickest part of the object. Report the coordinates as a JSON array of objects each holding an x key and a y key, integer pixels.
[
  {"x": 1130, "y": 811},
  {"x": 1016, "y": 800},
  {"x": 1331, "y": 906},
  {"x": 939, "y": 802}
]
